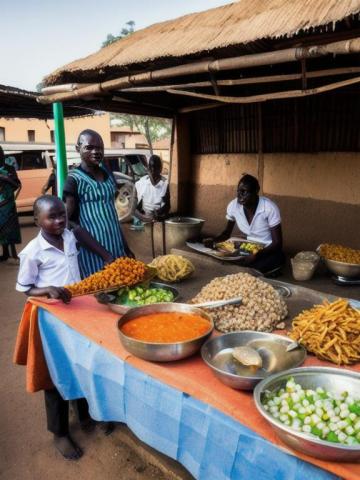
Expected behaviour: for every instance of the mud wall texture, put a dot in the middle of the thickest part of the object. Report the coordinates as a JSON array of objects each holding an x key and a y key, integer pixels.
[{"x": 318, "y": 194}]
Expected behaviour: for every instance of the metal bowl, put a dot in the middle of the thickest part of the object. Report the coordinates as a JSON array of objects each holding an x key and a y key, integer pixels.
[
  {"x": 348, "y": 270},
  {"x": 332, "y": 379},
  {"x": 163, "y": 352},
  {"x": 109, "y": 299},
  {"x": 217, "y": 354}
]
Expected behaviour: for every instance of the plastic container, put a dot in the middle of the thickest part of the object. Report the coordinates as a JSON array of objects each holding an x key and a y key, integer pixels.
[
  {"x": 307, "y": 256},
  {"x": 302, "y": 270}
]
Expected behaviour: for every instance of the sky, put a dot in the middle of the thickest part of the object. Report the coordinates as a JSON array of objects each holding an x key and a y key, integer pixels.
[{"x": 38, "y": 36}]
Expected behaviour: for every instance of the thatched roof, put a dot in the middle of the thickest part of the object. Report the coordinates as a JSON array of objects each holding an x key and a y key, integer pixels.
[
  {"x": 15, "y": 102},
  {"x": 246, "y": 25}
]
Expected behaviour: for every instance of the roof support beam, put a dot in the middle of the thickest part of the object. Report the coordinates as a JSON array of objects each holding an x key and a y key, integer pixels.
[
  {"x": 206, "y": 66},
  {"x": 269, "y": 96},
  {"x": 246, "y": 81}
]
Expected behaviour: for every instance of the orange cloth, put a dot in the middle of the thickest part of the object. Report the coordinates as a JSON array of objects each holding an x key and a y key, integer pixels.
[
  {"x": 29, "y": 351},
  {"x": 191, "y": 375}
]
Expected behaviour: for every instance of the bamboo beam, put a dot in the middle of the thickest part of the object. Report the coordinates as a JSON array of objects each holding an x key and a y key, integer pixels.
[
  {"x": 206, "y": 66},
  {"x": 246, "y": 81},
  {"x": 269, "y": 96}
]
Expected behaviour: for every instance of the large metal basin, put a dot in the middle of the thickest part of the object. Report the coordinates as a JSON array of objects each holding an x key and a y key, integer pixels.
[
  {"x": 163, "y": 352},
  {"x": 335, "y": 380},
  {"x": 347, "y": 270},
  {"x": 217, "y": 354}
]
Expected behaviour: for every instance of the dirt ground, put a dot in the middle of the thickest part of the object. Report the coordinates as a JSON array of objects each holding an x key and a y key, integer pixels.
[{"x": 26, "y": 451}]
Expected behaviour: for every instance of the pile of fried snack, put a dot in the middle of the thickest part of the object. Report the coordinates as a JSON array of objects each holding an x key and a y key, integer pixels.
[
  {"x": 331, "y": 331},
  {"x": 123, "y": 271},
  {"x": 339, "y": 253},
  {"x": 262, "y": 307},
  {"x": 172, "y": 268}
]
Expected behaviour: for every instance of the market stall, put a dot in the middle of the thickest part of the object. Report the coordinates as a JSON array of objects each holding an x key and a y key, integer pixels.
[{"x": 179, "y": 408}]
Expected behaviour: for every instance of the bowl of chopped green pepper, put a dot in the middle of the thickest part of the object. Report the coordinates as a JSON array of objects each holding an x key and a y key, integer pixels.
[
  {"x": 315, "y": 410},
  {"x": 147, "y": 294}
]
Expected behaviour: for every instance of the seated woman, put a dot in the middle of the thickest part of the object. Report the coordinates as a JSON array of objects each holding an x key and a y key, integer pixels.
[{"x": 258, "y": 219}]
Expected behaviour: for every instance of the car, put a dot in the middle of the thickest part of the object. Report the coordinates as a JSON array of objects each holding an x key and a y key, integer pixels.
[{"x": 34, "y": 164}]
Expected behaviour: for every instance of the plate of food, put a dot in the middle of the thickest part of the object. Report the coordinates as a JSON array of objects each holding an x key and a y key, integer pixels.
[
  {"x": 238, "y": 247},
  {"x": 148, "y": 293}
]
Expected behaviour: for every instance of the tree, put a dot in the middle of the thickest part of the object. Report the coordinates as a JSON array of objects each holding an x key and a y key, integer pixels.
[
  {"x": 125, "y": 31},
  {"x": 153, "y": 128}
]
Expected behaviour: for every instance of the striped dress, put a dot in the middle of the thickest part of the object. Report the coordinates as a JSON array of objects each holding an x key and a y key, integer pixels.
[{"x": 98, "y": 216}]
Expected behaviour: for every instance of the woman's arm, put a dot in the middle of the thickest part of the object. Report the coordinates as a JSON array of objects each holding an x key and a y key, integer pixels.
[
  {"x": 88, "y": 241},
  {"x": 227, "y": 232},
  {"x": 209, "y": 242}
]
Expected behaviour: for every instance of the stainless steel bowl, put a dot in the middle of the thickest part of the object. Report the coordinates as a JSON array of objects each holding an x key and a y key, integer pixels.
[
  {"x": 163, "y": 352},
  {"x": 335, "y": 380},
  {"x": 217, "y": 354},
  {"x": 109, "y": 298},
  {"x": 348, "y": 270}
]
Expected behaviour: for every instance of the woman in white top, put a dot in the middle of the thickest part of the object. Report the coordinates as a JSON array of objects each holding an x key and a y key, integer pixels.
[
  {"x": 258, "y": 219},
  {"x": 153, "y": 196}
]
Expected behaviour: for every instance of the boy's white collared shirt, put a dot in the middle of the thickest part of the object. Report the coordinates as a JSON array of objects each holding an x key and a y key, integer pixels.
[
  {"x": 43, "y": 265},
  {"x": 267, "y": 216}
]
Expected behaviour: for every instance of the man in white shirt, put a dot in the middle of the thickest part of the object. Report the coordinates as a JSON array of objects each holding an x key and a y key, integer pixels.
[
  {"x": 258, "y": 219},
  {"x": 153, "y": 195}
]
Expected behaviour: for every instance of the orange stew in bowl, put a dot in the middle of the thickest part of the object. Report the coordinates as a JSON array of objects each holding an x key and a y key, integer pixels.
[{"x": 166, "y": 327}]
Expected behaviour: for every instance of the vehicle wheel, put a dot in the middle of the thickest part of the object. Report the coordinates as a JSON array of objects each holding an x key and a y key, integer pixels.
[{"x": 125, "y": 202}]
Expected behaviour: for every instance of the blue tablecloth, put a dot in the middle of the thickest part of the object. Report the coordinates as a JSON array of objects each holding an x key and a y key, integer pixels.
[{"x": 210, "y": 444}]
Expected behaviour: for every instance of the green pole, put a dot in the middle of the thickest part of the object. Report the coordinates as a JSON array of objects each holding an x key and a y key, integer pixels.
[{"x": 61, "y": 163}]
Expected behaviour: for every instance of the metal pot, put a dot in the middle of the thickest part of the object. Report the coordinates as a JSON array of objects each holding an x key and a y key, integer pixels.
[
  {"x": 163, "y": 352},
  {"x": 177, "y": 231}
]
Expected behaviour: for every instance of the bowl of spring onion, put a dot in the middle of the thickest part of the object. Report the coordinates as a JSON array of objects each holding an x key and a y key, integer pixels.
[{"x": 315, "y": 410}]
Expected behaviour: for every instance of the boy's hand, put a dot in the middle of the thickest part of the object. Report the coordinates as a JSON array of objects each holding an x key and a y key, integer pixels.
[{"x": 59, "y": 292}]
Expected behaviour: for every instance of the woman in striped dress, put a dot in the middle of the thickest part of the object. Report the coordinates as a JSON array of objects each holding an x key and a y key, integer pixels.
[{"x": 89, "y": 193}]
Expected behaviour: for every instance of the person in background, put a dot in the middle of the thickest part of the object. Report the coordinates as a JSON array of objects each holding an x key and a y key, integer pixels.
[
  {"x": 153, "y": 195},
  {"x": 9, "y": 223},
  {"x": 89, "y": 194},
  {"x": 47, "y": 264},
  {"x": 50, "y": 183},
  {"x": 11, "y": 160},
  {"x": 258, "y": 219}
]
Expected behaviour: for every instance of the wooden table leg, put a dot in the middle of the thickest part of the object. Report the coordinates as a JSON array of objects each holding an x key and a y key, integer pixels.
[
  {"x": 152, "y": 239},
  {"x": 163, "y": 237}
]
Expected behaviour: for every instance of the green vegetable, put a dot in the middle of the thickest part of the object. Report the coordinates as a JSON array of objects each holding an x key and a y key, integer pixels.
[
  {"x": 332, "y": 437},
  {"x": 355, "y": 408},
  {"x": 332, "y": 417},
  {"x": 143, "y": 296}
]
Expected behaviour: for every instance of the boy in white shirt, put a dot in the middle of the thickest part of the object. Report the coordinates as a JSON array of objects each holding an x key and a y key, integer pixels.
[
  {"x": 48, "y": 263},
  {"x": 153, "y": 195}
]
